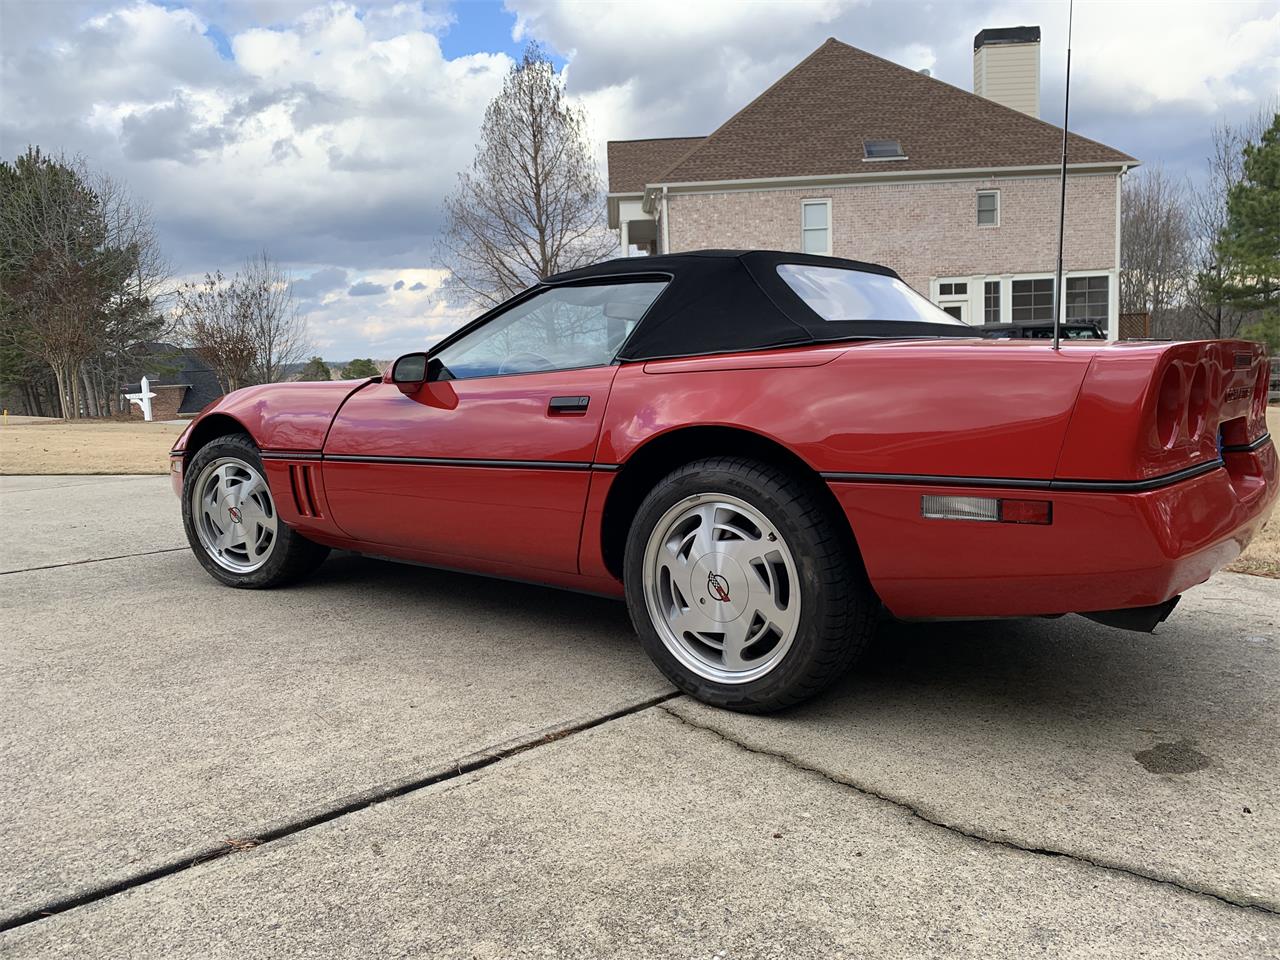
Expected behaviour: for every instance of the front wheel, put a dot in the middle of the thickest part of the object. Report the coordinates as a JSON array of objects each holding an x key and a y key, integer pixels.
[
  {"x": 742, "y": 587},
  {"x": 232, "y": 523}
]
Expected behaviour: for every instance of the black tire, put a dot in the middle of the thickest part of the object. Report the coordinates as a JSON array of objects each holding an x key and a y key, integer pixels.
[
  {"x": 292, "y": 556},
  {"x": 838, "y": 609}
]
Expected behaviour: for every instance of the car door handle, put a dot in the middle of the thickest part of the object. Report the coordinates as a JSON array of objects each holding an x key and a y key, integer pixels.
[{"x": 568, "y": 405}]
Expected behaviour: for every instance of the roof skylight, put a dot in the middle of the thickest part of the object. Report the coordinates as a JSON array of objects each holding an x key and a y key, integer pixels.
[{"x": 882, "y": 150}]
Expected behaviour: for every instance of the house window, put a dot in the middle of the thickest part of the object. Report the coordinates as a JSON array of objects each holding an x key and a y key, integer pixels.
[
  {"x": 989, "y": 208},
  {"x": 1088, "y": 298},
  {"x": 882, "y": 150},
  {"x": 1032, "y": 299},
  {"x": 991, "y": 301},
  {"x": 815, "y": 226},
  {"x": 953, "y": 289}
]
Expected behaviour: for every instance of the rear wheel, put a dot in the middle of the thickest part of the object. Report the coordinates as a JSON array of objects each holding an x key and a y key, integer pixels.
[
  {"x": 232, "y": 523},
  {"x": 742, "y": 588}
]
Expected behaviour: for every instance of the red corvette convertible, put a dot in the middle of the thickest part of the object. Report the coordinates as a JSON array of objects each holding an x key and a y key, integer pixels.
[{"x": 760, "y": 451}]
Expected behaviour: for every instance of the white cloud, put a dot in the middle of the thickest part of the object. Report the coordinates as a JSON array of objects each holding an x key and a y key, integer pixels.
[
  {"x": 331, "y": 133},
  {"x": 694, "y": 64},
  {"x": 383, "y": 313},
  {"x": 329, "y": 138}
]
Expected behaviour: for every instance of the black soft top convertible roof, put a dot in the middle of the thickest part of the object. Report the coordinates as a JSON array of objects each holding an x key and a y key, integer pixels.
[{"x": 728, "y": 301}]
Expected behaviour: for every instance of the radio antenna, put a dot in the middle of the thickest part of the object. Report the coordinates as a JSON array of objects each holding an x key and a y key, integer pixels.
[{"x": 1058, "y": 299}]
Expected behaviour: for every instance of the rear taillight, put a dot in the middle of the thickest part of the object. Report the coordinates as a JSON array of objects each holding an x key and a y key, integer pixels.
[
  {"x": 1170, "y": 407},
  {"x": 1198, "y": 402},
  {"x": 1026, "y": 511}
]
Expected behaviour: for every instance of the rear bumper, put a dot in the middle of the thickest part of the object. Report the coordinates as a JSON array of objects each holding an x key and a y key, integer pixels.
[{"x": 1104, "y": 550}]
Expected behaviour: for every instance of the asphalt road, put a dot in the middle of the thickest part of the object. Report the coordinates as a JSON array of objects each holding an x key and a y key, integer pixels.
[{"x": 392, "y": 760}]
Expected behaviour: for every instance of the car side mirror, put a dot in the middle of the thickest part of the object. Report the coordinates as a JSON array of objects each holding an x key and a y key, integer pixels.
[{"x": 409, "y": 372}]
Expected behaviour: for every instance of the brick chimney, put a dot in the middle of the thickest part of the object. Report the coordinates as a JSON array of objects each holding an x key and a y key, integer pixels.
[{"x": 1006, "y": 67}]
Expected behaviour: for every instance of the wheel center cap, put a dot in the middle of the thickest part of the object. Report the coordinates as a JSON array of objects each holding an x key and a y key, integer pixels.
[
  {"x": 720, "y": 586},
  {"x": 234, "y": 514}
]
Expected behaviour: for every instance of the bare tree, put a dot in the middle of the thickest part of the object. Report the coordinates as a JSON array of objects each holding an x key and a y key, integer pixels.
[
  {"x": 135, "y": 313},
  {"x": 209, "y": 320},
  {"x": 1155, "y": 243},
  {"x": 1208, "y": 219},
  {"x": 531, "y": 204},
  {"x": 277, "y": 329},
  {"x": 246, "y": 328}
]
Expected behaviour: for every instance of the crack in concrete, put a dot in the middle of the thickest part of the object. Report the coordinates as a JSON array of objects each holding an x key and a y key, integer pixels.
[
  {"x": 92, "y": 479},
  {"x": 917, "y": 812},
  {"x": 252, "y": 841},
  {"x": 78, "y": 563}
]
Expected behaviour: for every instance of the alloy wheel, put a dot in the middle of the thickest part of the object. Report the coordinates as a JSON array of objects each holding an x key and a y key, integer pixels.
[
  {"x": 235, "y": 518},
  {"x": 721, "y": 587}
]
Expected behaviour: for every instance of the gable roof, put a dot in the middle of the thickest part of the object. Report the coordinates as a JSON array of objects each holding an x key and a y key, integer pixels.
[
  {"x": 633, "y": 163},
  {"x": 165, "y": 365},
  {"x": 813, "y": 121}
]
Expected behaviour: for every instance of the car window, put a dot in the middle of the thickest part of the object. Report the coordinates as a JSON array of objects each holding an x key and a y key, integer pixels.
[
  {"x": 561, "y": 328},
  {"x": 1064, "y": 333},
  {"x": 837, "y": 294}
]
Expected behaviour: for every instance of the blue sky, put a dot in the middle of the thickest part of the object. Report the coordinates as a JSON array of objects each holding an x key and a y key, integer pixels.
[{"x": 329, "y": 133}]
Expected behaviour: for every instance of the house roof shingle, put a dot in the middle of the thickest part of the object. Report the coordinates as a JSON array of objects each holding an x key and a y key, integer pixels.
[
  {"x": 632, "y": 163},
  {"x": 812, "y": 122}
]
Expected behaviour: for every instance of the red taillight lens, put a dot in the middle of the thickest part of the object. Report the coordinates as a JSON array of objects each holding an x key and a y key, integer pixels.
[
  {"x": 1198, "y": 402},
  {"x": 1169, "y": 406},
  {"x": 1026, "y": 511}
]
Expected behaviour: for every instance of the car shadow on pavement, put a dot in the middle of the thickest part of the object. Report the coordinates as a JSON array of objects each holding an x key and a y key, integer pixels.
[
  {"x": 1042, "y": 670},
  {"x": 529, "y": 603}
]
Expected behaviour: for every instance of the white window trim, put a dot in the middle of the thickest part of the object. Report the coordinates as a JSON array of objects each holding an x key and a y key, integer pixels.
[
  {"x": 1003, "y": 290},
  {"x": 825, "y": 201},
  {"x": 977, "y": 289},
  {"x": 955, "y": 299},
  {"x": 991, "y": 193},
  {"x": 1006, "y": 289}
]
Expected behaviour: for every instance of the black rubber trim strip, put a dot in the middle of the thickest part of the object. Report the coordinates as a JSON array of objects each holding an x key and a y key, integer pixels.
[
  {"x": 457, "y": 462},
  {"x": 440, "y": 461},
  {"x": 291, "y": 455},
  {"x": 1138, "y": 486},
  {"x": 1247, "y": 447},
  {"x": 1096, "y": 486},
  {"x": 921, "y": 479}
]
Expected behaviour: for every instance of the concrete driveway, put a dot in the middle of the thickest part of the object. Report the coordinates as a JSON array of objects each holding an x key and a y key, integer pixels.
[{"x": 396, "y": 761}]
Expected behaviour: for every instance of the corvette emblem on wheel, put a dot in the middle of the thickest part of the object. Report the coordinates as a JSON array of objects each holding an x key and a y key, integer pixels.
[
  {"x": 718, "y": 587},
  {"x": 234, "y": 514}
]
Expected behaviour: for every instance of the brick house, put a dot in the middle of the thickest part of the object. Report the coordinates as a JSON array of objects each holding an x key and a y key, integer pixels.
[
  {"x": 183, "y": 384},
  {"x": 855, "y": 156}
]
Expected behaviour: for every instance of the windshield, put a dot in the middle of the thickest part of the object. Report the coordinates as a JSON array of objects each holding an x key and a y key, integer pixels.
[{"x": 836, "y": 294}]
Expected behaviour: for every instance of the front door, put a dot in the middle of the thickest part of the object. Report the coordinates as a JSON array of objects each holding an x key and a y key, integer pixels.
[{"x": 490, "y": 460}]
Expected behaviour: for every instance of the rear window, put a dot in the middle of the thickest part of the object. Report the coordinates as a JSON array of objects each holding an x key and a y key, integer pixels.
[{"x": 835, "y": 294}]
